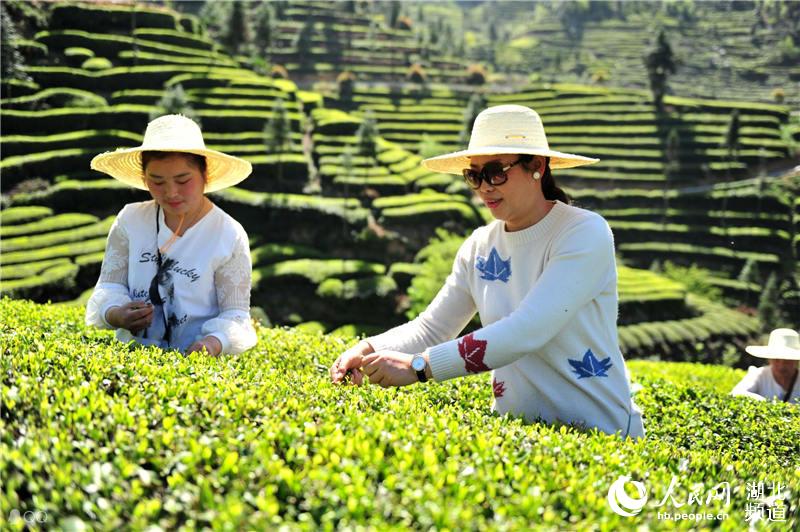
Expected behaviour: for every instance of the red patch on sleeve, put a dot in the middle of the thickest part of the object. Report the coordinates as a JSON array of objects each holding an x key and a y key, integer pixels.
[
  {"x": 499, "y": 388},
  {"x": 473, "y": 351}
]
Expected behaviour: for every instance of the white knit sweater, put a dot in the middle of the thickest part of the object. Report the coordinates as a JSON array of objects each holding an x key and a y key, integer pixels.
[{"x": 547, "y": 299}]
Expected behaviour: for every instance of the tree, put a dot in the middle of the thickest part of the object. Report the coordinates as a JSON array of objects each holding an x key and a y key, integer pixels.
[
  {"x": 768, "y": 310},
  {"x": 237, "y": 32},
  {"x": 367, "y": 137},
  {"x": 672, "y": 153},
  {"x": 174, "y": 102},
  {"x": 346, "y": 81},
  {"x": 263, "y": 19},
  {"x": 732, "y": 136},
  {"x": 572, "y": 16},
  {"x": 474, "y": 107},
  {"x": 277, "y": 134},
  {"x": 304, "y": 40},
  {"x": 13, "y": 66},
  {"x": 672, "y": 168},
  {"x": 394, "y": 13},
  {"x": 660, "y": 63},
  {"x": 347, "y": 169},
  {"x": 750, "y": 274}
]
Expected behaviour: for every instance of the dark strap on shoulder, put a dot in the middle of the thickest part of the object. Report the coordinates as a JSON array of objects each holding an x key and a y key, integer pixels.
[{"x": 791, "y": 387}]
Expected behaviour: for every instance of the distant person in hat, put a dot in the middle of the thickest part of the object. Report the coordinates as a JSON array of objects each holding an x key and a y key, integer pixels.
[
  {"x": 176, "y": 271},
  {"x": 778, "y": 379},
  {"x": 543, "y": 279}
]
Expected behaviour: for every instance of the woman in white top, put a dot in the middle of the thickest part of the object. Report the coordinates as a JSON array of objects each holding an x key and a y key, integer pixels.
[
  {"x": 779, "y": 379},
  {"x": 542, "y": 278},
  {"x": 176, "y": 271}
]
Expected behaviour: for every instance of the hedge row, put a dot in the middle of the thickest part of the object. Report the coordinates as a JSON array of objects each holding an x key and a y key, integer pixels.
[{"x": 120, "y": 436}]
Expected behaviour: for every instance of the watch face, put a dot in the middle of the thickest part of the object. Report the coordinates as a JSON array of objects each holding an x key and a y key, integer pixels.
[{"x": 418, "y": 363}]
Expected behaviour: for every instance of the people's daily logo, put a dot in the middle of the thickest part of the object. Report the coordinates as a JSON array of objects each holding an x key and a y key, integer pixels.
[{"x": 621, "y": 502}]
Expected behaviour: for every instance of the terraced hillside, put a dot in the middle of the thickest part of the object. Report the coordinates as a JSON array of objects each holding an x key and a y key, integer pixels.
[
  {"x": 363, "y": 200},
  {"x": 319, "y": 40},
  {"x": 336, "y": 216},
  {"x": 413, "y": 116},
  {"x": 744, "y": 50}
]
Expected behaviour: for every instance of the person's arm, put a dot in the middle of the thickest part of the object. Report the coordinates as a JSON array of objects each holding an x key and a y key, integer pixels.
[
  {"x": 748, "y": 386},
  {"x": 443, "y": 319},
  {"x": 231, "y": 331},
  {"x": 580, "y": 266},
  {"x": 111, "y": 290}
]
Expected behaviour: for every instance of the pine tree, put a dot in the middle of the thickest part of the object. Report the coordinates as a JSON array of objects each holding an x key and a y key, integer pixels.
[
  {"x": 13, "y": 66},
  {"x": 768, "y": 310},
  {"x": 346, "y": 81},
  {"x": 367, "y": 137},
  {"x": 732, "y": 136},
  {"x": 474, "y": 107},
  {"x": 277, "y": 134},
  {"x": 237, "y": 33},
  {"x": 262, "y": 29},
  {"x": 660, "y": 63},
  {"x": 394, "y": 13},
  {"x": 304, "y": 40},
  {"x": 174, "y": 102},
  {"x": 750, "y": 274}
]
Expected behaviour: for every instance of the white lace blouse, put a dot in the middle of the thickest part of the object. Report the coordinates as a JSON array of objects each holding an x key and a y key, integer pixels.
[{"x": 204, "y": 282}]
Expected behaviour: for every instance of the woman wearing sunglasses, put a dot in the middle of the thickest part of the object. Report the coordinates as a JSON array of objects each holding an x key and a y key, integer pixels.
[
  {"x": 542, "y": 278},
  {"x": 176, "y": 271}
]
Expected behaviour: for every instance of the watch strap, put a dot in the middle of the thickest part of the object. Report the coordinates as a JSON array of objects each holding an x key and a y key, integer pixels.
[{"x": 421, "y": 373}]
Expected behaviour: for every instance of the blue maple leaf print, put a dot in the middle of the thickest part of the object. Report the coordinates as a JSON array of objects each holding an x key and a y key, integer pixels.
[
  {"x": 590, "y": 366},
  {"x": 494, "y": 268}
]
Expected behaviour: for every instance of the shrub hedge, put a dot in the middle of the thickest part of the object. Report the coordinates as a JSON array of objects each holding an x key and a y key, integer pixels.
[{"x": 102, "y": 435}]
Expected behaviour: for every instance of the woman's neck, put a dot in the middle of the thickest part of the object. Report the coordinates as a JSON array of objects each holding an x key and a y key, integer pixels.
[
  {"x": 173, "y": 221},
  {"x": 535, "y": 215}
]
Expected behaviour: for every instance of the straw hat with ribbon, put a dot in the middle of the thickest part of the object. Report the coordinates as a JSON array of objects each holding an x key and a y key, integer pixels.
[
  {"x": 505, "y": 129},
  {"x": 172, "y": 133},
  {"x": 783, "y": 344}
]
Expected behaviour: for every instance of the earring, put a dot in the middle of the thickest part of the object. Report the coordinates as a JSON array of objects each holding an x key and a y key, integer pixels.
[{"x": 537, "y": 175}]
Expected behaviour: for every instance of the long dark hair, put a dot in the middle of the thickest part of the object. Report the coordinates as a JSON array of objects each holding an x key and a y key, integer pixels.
[{"x": 550, "y": 190}]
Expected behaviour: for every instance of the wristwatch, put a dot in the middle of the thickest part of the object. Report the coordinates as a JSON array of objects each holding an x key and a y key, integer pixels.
[{"x": 418, "y": 364}]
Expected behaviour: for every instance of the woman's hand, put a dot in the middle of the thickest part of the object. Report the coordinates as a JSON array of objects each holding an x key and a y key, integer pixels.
[
  {"x": 389, "y": 368},
  {"x": 211, "y": 344},
  {"x": 349, "y": 362},
  {"x": 134, "y": 316}
]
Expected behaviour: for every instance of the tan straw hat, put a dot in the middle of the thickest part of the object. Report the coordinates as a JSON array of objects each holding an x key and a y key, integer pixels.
[
  {"x": 512, "y": 129},
  {"x": 172, "y": 133},
  {"x": 783, "y": 344}
]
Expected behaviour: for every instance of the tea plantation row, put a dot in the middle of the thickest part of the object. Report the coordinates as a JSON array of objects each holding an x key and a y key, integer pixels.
[{"x": 96, "y": 433}]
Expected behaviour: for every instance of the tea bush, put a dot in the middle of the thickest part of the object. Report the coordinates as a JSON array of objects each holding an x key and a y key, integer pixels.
[{"x": 97, "y": 433}]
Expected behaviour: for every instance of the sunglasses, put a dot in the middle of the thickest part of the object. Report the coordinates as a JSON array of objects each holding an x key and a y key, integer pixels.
[{"x": 494, "y": 173}]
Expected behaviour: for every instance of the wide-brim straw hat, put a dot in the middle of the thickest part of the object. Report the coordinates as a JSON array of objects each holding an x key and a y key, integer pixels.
[
  {"x": 505, "y": 129},
  {"x": 783, "y": 344},
  {"x": 173, "y": 133}
]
